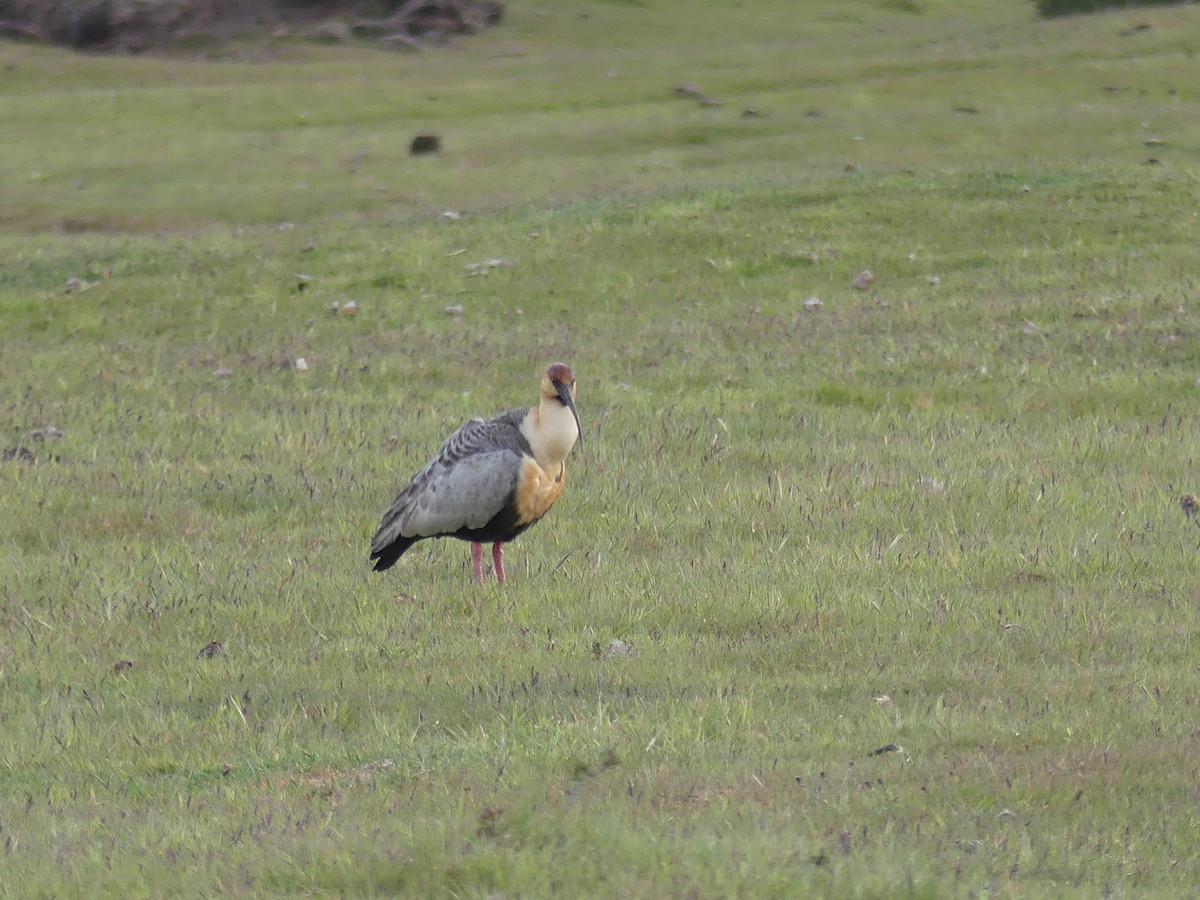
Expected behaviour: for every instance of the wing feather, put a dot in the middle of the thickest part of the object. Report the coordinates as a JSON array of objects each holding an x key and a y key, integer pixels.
[
  {"x": 469, "y": 495},
  {"x": 465, "y": 485}
]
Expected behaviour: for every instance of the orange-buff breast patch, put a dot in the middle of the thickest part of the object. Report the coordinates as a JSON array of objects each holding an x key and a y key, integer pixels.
[{"x": 536, "y": 491}]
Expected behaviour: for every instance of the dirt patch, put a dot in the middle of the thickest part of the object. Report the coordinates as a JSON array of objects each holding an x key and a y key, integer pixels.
[{"x": 134, "y": 26}]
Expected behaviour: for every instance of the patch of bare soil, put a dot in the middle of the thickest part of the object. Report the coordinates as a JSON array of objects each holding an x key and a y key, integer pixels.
[{"x": 135, "y": 26}]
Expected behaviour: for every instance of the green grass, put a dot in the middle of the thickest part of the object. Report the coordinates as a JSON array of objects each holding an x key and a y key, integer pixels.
[{"x": 942, "y": 516}]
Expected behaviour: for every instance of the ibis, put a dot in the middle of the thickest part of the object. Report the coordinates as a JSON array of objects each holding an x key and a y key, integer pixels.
[{"x": 491, "y": 479}]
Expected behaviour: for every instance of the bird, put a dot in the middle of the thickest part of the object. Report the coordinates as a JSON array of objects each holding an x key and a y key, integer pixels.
[{"x": 490, "y": 481}]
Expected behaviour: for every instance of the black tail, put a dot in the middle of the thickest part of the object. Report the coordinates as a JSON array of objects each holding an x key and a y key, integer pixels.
[{"x": 385, "y": 557}]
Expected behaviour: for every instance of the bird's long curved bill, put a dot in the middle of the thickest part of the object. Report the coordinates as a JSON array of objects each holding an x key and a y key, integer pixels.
[{"x": 564, "y": 394}]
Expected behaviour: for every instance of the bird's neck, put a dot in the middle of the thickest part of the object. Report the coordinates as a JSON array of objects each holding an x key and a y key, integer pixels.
[{"x": 551, "y": 431}]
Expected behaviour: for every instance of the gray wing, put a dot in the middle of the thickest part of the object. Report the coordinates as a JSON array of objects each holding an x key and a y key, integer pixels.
[{"x": 464, "y": 486}]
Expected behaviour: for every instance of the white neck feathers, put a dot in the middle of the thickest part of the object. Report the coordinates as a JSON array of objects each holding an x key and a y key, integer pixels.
[{"x": 551, "y": 431}]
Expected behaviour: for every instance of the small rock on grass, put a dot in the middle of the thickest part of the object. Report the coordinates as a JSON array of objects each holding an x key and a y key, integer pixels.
[
  {"x": 693, "y": 92},
  {"x": 618, "y": 647},
  {"x": 425, "y": 143},
  {"x": 483, "y": 268},
  {"x": 931, "y": 485}
]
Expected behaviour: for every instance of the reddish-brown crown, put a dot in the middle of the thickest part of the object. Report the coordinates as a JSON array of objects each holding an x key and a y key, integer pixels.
[{"x": 560, "y": 373}]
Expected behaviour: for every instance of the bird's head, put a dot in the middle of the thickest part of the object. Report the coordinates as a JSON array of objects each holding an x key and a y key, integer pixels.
[{"x": 558, "y": 384}]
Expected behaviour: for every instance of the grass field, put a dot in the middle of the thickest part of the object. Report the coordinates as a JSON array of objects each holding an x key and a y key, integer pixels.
[{"x": 905, "y": 597}]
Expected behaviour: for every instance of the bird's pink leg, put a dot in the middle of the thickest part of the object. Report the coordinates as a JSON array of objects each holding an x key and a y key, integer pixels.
[
  {"x": 498, "y": 560},
  {"x": 477, "y": 560}
]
